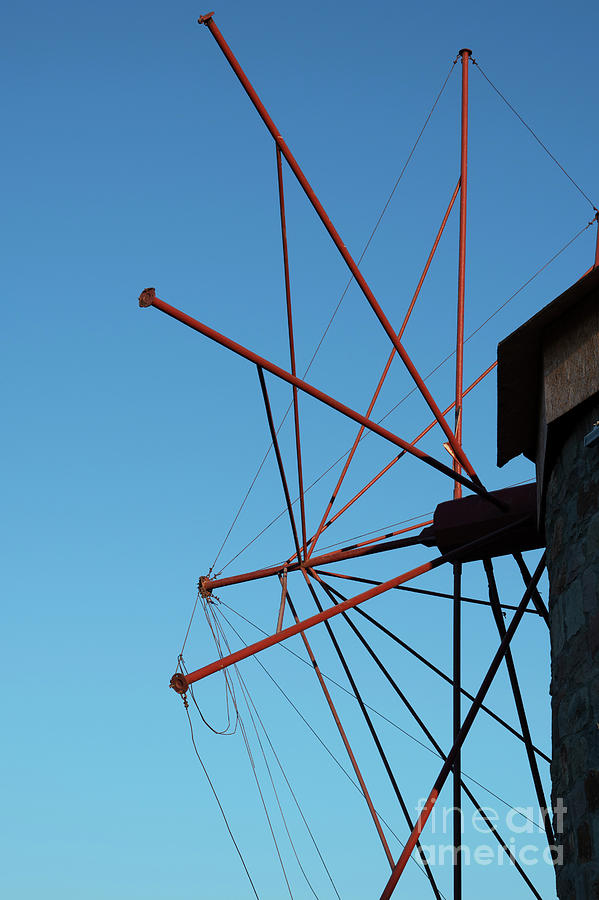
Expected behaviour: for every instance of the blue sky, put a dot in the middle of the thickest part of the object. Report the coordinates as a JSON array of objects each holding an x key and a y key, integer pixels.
[{"x": 132, "y": 158}]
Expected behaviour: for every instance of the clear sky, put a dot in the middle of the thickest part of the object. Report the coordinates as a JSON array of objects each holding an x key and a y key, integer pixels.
[{"x": 132, "y": 157}]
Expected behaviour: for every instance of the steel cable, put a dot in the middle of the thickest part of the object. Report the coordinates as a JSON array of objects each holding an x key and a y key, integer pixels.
[
  {"x": 533, "y": 133},
  {"x": 236, "y": 845}
]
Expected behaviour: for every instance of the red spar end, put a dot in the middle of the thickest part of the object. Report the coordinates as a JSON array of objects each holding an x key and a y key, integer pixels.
[
  {"x": 203, "y": 20},
  {"x": 203, "y": 588},
  {"x": 147, "y": 297},
  {"x": 179, "y": 683}
]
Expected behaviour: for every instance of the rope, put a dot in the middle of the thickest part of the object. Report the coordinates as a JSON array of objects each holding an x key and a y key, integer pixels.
[
  {"x": 293, "y": 794},
  {"x": 533, "y": 133},
  {"x": 251, "y": 759},
  {"x": 249, "y": 704},
  {"x": 335, "y": 311},
  {"x": 193, "y": 612},
  {"x": 236, "y": 845}
]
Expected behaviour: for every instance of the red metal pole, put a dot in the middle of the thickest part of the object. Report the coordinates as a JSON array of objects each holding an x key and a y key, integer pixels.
[
  {"x": 323, "y": 560},
  {"x": 465, "y": 54},
  {"x": 457, "y": 491},
  {"x": 320, "y": 211},
  {"x": 468, "y": 721},
  {"x": 180, "y": 682},
  {"x": 379, "y": 386},
  {"x": 298, "y": 448},
  {"x": 597, "y": 244},
  {"x": 149, "y": 298},
  {"x": 382, "y": 537}
]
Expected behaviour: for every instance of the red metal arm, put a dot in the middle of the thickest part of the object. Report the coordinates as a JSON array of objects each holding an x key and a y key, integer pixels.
[
  {"x": 351, "y": 264},
  {"x": 149, "y": 298},
  {"x": 325, "y": 559},
  {"x": 181, "y": 682}
]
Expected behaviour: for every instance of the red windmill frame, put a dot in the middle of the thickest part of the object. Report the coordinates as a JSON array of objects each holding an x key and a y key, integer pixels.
[{"x": 461, "y": 473}]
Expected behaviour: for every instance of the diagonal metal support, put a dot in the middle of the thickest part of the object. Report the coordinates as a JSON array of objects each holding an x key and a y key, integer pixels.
[
  {"x": 468, "y": 721},
  {"x": 371, "y": 728},
  {"x": 511, "y": 668},
  {"x": 479, "y": 809},
  {"x": 540, "y": 606}
]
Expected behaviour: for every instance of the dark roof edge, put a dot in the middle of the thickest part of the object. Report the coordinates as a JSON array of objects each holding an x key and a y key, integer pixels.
[{"x": 519, "y": 370}]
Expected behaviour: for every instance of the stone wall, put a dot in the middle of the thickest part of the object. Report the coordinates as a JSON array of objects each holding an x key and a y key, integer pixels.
[{"x": 572, "y": 530}]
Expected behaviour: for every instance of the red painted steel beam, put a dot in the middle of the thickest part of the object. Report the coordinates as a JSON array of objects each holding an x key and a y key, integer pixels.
[
  {"x": 181, "y": 682},
  {"x": 457, "y": 491},
  {"x": 389, "y": 534},
  {"x": 322, "y": 560},
  {"x": 467, "y": 724},
  {"x": 148, "y": 298},
  {"x": 459, "y": 360},
  {"x": 351, "y": 264}
]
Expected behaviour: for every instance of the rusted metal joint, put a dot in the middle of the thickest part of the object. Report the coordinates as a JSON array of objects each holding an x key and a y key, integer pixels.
[
  {"x": 205, "y": 591},
  {"x": 147, "y": 297},
  {"x": 203, "y": 20},
  {"x": 179, "y": 683}
]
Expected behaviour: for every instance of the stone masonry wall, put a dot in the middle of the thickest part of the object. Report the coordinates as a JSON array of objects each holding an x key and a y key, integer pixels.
[{"x": 572, "y": 528}]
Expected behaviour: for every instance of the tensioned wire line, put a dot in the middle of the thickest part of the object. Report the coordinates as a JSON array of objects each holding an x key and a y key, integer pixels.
[
  {"x": 370, "y": 707},
  {"x": 217, "y": 641},
  {"x": 213, "y": 789},
  {"x": 336, "y": 309},
  {"x": 413, "y": 390},
  {"x": 533, "y": 133},
  {"x": 211, "y": 615}
]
